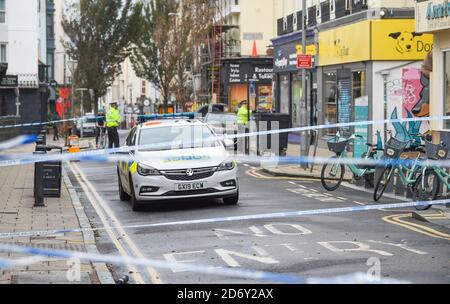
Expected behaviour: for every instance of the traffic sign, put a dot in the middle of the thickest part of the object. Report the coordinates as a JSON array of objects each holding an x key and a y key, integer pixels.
[{"x": 304, "y": 61}]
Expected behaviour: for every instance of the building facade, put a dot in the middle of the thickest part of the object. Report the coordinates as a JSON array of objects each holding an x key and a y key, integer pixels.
[
  {"x": 367, "y": 63},
  {"x": 433, "y": 17},
  {"x": 237, "y": 60},
  {"x": 23, "y": 46}
]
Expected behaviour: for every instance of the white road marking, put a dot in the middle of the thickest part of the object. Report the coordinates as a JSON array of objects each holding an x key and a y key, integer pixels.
[
  {"x": 170, "y": 257},
  {"x": 359, "y": 203},
  {"x": 361, "y": 247},
  {"x": 227, "y": 256},
  {"x": 403, "y": 246},
  {"x": 300, "y": 230},
  {"x": 99, "y": 203}
]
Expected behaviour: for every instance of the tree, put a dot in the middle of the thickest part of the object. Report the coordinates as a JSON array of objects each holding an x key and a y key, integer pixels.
[
  {"x": 100, "y": 34},
  {"x": 164, "y": 49}
]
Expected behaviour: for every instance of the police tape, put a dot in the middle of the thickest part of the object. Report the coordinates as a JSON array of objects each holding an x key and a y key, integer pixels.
[
  {"x": 357, "y": 278},
  {"x": 17, "y": 141},
  {"x": 176, "y": 144},
  {"x": 288, "y": 214},
  {"x": 33, "y": 124}
]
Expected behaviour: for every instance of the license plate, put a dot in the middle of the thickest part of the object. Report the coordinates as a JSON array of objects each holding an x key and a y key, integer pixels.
[{"x": 190, "y": 186}]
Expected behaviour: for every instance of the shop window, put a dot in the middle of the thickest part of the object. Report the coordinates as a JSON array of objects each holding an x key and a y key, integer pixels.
[
  {"x": 238, "y": 93},
  {"x": 447, "y": 87},
  {"x": 284, "y": 94},
  {"x": 264, "y": 98},
  {"x": 296, "y": 95},
  {"x": 330, "y": 95}
]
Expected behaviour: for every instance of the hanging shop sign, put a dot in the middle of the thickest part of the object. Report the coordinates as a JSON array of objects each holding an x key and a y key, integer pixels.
[
  {"x": 432, "y": 16},
  {"x": 396, "y": 39},
  {"x": 9, "y": 81},
  {"x": 246, "y": 72},
  {"x": 338, "y": 45}
]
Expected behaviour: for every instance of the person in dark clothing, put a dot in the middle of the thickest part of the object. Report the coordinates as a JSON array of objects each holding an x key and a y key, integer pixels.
[
  {"x": 55, "y": 126},
  {"x": 100, "y": 122}
]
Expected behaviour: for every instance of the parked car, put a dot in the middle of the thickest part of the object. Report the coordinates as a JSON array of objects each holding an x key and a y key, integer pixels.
[
  {"x": 89, "y": 122},
  {"x": 213, "y": 108},
  {"x": 177, "y": 159}
]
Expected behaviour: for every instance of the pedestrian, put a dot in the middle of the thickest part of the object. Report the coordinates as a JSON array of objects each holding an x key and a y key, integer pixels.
[
  {"x": 55, "y": 126},
  {"x": 99, "y": 125},
  {"x": 113, "y": 121}
]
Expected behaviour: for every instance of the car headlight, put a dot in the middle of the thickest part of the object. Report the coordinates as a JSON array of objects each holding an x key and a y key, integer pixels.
[
  {"x": 226, "y": 165},
  {"x": 146, "y": 170}
]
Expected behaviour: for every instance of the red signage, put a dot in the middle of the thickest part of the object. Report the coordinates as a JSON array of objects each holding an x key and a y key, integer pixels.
[{"x": 304, "y": 61}]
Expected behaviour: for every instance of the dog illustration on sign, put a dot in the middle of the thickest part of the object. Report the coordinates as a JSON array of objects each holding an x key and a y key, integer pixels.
[{"x": 404, "y": 41}]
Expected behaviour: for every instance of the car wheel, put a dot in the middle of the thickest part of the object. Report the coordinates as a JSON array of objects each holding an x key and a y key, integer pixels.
[
  {"x": 231, "y": 200},
  {"x": 122, "y": 194},
  {"x": 135, "y": 206}
]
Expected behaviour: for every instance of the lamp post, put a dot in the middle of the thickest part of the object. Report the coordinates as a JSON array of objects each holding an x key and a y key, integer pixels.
[
  {"x": 72, "y": 65},
  {"x": 304, "y": 140}
]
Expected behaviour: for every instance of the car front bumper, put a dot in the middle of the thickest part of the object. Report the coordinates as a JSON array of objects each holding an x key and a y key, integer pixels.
[{"x": 166, "y": 188}]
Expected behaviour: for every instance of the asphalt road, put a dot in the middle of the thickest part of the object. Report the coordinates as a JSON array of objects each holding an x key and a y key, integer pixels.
[{"x": 312, "y": 246}]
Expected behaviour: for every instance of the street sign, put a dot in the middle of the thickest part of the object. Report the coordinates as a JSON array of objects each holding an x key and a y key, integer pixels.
[{"x": 304, "y": 61}]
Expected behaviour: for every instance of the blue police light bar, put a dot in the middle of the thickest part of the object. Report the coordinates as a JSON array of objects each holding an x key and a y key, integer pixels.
[{"x": 186, "y": 115}]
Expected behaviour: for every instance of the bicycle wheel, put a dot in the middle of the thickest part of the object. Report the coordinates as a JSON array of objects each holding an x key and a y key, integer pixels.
[
  {"x": 382, "y": 183},
  {"x": 332, "y": 174},
  {"x": 426, "y": 188}
]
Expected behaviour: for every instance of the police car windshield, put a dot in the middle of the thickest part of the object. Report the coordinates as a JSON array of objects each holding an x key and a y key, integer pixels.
[{"x": 176, "y": 137}]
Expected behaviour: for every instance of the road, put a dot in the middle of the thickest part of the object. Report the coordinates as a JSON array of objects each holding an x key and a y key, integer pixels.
[{"x": 324, "y": 245}]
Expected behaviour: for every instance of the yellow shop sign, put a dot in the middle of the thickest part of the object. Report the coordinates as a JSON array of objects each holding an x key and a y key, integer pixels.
[
  {"x": 350, "y": 43},
  {"x": 395, "y": 39},
  {"x": 310, "y": 49}
]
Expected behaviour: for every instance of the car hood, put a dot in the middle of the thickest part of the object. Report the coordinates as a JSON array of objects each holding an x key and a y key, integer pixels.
[{"x": 183, "y": 158}]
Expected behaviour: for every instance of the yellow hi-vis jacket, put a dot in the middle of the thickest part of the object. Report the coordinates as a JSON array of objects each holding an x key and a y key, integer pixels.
[
  {"x": 113, "y": 118},
  {"x": 243, "y": 115}
]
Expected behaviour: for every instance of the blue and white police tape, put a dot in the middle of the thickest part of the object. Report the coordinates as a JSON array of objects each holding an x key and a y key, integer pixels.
[
  {"x": 176, "y": 144},
  {"x": 288, "y": 214},
  {"x": 256, "y": 275},
  {"x": 33, "y": 124},
  {"x": 17, "y": 141}
]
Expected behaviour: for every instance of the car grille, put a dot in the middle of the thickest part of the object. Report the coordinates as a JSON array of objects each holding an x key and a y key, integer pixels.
[{"x": 180, "y": 175}]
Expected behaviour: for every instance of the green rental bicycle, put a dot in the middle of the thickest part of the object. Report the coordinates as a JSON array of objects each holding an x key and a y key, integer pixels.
[
  {"x": 392, "y": 154},
  {"x": 333, "y": 171},
  {"x": 431, "y": 178}
]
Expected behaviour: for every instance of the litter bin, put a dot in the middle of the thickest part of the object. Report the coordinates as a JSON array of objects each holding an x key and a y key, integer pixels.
[
  {"x": 47, "y": 176},
  {"x": 268, "y": 122}
]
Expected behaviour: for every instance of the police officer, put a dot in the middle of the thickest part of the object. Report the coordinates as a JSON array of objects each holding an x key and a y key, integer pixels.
[
  {"x": 113, "y": 120},
  {"x": 243, "y": 114}
]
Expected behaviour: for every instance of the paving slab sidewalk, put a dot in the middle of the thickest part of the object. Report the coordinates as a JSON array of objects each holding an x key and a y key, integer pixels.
[{"x": 18, "y": 214}]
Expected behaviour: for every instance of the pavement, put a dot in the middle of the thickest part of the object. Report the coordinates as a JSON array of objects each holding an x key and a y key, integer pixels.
[{"x": 18, "y": 214}]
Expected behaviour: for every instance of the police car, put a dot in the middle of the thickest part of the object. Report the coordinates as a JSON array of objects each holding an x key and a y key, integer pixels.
[{"x": 176, "y": 159}]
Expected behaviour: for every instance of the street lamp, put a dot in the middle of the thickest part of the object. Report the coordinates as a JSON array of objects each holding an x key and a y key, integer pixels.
[{"x": 72, "y": 65}]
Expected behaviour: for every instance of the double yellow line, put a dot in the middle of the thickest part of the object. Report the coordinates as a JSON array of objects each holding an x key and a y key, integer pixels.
[{"x": 398, "y": 219}]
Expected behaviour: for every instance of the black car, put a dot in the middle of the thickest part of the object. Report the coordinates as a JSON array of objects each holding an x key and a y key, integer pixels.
[{"x": 213, "y": 108}]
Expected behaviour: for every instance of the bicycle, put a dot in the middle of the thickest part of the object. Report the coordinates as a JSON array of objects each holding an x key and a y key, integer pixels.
[
  {"x": 394, "y": 148},
  {"x": 102, "y": 138},
  {"x": 430, "y": 180},
  {"x": 333, "y": 172}
]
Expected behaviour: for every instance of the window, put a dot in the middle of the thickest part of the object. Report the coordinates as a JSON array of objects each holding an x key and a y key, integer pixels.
[
  {"x": 330, "y": 95},
  {"x": 2, "y": 11},
  {"x": 50, "y": 26},
  {"x": 447, "y": 87},
  {"x": 284, "y": 94},
  {"x": 3, "y": 57}
]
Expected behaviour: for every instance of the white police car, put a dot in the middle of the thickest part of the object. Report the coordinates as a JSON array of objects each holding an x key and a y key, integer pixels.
[{"x": 176, "y": 159}]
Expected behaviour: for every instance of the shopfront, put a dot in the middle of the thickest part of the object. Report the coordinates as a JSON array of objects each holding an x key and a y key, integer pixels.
[
  {"x": 433, "y": 17},
  {"x": 374, "y": 79},
  {"x": 288, "y": 78},
  {"x": 248, "y": 79}
]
